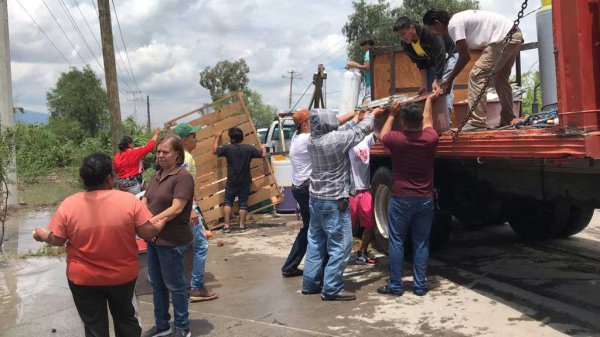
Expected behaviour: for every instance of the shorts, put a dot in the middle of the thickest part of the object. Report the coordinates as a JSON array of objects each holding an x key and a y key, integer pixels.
[
  {"x": 240, "y": 192},
  {"x": 361, "y": 208}
]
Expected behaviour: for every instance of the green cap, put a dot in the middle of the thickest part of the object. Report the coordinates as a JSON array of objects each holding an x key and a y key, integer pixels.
[{"x": 184, "y": 129}]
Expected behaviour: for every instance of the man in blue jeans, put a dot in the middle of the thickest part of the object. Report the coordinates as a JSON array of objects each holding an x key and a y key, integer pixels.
[
  {"x": 198, "y": 291},
  {"x": 411, "y": 204},
  {"x": 330, "y": 229}
]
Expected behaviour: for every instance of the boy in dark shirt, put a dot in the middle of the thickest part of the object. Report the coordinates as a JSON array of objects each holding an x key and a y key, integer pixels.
[{"x": 238, "y": 171}]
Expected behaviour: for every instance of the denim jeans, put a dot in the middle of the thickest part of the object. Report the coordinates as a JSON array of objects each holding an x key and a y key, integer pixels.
[
  {"x": 416, "y": 214},
  {"x": 299, "y": 248},
  {"x": 200, "y": 253},
  {"x": 166, "y": 274},
  {"x": 329, "y": 236}
]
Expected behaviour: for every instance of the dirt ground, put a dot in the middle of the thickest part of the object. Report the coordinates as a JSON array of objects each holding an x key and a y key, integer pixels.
[{"x": 487, "y": 282}]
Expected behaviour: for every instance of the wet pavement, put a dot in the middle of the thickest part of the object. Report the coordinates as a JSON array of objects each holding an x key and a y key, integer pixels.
[{"x": 487, "y": 282}]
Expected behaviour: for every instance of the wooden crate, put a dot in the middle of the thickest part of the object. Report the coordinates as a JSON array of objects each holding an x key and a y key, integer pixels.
[{"x": 211, "y": 171}]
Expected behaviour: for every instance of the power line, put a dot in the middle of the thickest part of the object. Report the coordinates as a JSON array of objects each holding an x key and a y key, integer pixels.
[
  {"x": 309, "y": 63},
  {"x": 124, "y": 46},
  {"x": 66, "y": 10},
  {"x": 98, "y": 43},
  {"x": 42, "y": 31},
  {"x": 292, "y": 109},
  {"x": 64, "y": 33}
]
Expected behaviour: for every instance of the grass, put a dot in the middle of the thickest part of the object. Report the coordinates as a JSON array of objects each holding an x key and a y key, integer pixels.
[
  {"x": 47, "y": 250},
  {"x": 50, "y": 189}
]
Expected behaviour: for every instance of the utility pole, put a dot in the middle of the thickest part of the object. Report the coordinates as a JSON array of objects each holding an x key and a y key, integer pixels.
[
  {"x": 6, "y": 103},
  {"x": 148, "y": 125},
  {"x": 318, "y": 79},
  {"x": 291, "y": 77},
  {"x": 135, "y": 94},
  {"x": 110, "y": 73}
]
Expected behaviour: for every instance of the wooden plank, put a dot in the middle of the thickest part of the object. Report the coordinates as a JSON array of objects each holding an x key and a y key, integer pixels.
[
  {"x": 208, "y": 187},
  {"x": 227, "y": 111},
  {"x": 223, "y": 125},
  {"x": 269, "y": 192},
  {"x": 207, "y": 143}
]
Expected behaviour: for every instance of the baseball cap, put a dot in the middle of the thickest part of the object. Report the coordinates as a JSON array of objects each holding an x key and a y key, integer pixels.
[
  {"x": 184, "y": 129},
  {"x": 301, "y": 116}
]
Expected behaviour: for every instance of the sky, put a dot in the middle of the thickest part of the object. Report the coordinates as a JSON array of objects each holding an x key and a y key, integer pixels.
[{"x": 169, "y": 42}]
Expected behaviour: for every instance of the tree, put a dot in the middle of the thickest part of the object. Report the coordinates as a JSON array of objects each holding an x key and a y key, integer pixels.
[
  {"x": 262, "y": 114},
  {"x": 225, "y": 77},
  {"x": 377, "y": 20},
  {"x": 78, "y": 101},
  {"x": 529, "y": 80}
]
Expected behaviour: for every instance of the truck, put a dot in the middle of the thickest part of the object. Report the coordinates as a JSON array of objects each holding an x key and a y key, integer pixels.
[{"x": 544, "y": 182}]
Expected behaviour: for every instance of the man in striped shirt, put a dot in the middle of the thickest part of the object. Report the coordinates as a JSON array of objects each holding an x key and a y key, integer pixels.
[{"x": 330, "y": 229}]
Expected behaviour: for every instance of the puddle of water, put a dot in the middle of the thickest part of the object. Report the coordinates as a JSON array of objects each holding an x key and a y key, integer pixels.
[{"x": 20, "y": 225}]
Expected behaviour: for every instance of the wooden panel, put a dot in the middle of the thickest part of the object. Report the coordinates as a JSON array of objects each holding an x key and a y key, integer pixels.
[
  {"x": 211, "y": 171},
  {"x": 226, "y": 111},
  {"x": 381, "y": 75}
]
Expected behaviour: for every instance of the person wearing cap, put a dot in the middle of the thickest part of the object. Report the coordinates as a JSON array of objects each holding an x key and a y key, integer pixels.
[
  {"x": 128, "y": 163},
  {"x": 198, "y": 291},
  {"x": 330, "y": 230},
  {"x": 301, "y": 169}
]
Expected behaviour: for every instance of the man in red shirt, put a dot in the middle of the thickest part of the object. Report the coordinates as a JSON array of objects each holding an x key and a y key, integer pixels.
[{"x": 411, "y": 204}]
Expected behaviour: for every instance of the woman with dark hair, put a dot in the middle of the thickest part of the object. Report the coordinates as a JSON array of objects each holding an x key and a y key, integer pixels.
[
  {"x": 170, "y": 195},
  {"x": 102, "y": 255},
  {"x": 128, "y": 163},
  {"x": 365, "y": 44}
]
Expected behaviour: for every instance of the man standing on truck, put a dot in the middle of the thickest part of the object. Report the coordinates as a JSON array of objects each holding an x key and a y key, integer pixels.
[
  {"x": 487, "y": 31},
  {"x": 330, "y": 230},
  {"x": 434, "y": 56},
  {"x": 198, "y": 291},
  {"x": 365, "y": 44},
  {"x": 301, "y": 169},
  {"x": 411, "y": 203},
  {"x": 238, "y": 172}
]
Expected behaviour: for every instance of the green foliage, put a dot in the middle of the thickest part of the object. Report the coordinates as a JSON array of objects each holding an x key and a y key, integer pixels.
[
  {"x": 529, "y": 80},
  {"x": 262, "y": 114},
  {"x": 7, "y": 146},
  {"x": 225, "y": 77},
  {"x": 377, "y": 20},
  {"x": 78, "y": 102}
]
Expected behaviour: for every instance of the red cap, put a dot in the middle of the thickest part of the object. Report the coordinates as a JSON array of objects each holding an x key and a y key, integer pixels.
[{"x": 301, "y": 116}]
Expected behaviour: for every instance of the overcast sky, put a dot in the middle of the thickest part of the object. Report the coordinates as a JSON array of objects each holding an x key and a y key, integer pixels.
[{"x": 170, "y": 41}]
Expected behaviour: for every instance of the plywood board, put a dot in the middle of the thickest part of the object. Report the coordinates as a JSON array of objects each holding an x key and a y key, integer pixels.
[{"x": 211, "y": 171}]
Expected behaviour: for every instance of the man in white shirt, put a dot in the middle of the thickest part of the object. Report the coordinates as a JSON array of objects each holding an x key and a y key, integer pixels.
[
  {"x": 301, "y": 169},
  {"x": 361, "y": 204},
  {"x": 486, "y": 31}
]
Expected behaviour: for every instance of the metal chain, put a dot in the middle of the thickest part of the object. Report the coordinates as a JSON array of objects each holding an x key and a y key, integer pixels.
[{"x": 489, "y": 77}]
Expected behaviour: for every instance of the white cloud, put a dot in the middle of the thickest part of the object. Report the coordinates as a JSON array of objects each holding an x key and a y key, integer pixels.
[{"x": 171, "y": 41}]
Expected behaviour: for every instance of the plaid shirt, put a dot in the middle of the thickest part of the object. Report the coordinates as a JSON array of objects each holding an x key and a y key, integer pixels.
[{"x": 331, "y": 176}]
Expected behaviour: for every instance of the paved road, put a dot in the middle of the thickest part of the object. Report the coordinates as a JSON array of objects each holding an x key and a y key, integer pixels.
[{"x": 486, "y": 283}]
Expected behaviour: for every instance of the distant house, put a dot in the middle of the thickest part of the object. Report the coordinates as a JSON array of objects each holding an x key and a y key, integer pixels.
[{"x": 31, "y": 117}]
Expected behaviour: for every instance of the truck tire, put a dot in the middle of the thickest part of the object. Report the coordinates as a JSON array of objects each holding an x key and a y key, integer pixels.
[
  {"x": 474, "y": 204},
  {"x": 381, "y": 190},
  {"x": 381, "y": 184},
  {"x": 579, "y": 218},
  {"x": 538, "y": 220}
]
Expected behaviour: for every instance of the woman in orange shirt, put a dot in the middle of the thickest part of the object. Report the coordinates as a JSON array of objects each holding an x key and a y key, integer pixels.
[{"x": 99, "y": 227}]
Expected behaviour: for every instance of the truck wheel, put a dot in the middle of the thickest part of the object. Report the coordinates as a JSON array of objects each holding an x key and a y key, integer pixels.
[
  {"x": 381, "y": 189},
  {"x": 538, "y": 220},
  {"x": 474, "y": 204},
  {"x": 381, "y": 184},
  {"x": 579, "y": 218}
]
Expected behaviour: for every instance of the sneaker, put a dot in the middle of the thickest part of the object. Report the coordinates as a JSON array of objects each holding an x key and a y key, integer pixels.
[
  {"x": 182, "y": 333},
  {"x": 293, "y": 273},
  {"x": 385, "y": 290},
  {"x": 422, "y": 292},
  {"x": 363, "y": 258},
  {"x": 202, "y": 294},
  {"x": 156, "y": 332},
  {"x": 226, "y": 230},
  {"x": 243, "y": 229}
]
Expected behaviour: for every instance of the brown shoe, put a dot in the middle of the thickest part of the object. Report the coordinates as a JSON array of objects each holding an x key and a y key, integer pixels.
[
  {"x": 341, "y": 296},
  {"x": 203, "y": 294}
]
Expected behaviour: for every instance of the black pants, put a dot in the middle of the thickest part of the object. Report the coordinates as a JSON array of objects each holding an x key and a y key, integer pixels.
[
  {"x": 91, "y": 305},
  {"x": 299, "y": 248}
]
